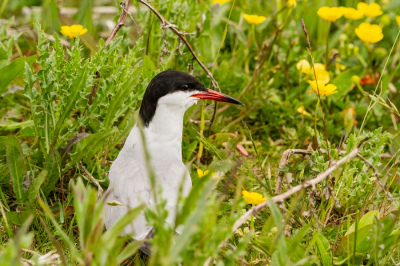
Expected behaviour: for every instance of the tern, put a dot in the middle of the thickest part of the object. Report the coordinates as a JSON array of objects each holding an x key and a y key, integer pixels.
[{"x": 165, "y": 101}]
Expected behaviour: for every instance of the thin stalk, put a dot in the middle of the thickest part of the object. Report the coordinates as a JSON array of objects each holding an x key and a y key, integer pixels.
[
  {"x": 319, "y": 96},
  {"x": 252, "y": 226},
  {"x": 3, "y": 6},
  {"x": 201, "y": 146},
  {"x": 316, "y": 118},
  {"x": 377, "y": 85},
  {"x": 327, "y": 45}
]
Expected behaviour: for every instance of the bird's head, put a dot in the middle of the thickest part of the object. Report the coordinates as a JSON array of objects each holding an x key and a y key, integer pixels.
[{"x": 177, "y": 89}]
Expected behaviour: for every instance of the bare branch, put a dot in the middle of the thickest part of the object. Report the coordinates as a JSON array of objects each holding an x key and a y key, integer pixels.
[
  {"x": 280, "y": 198},
  {"x": 120, "y": 22},
  {"x": 311, "y": 183},
  {"x": 181, "y": 35},
  {"x": 284, "y": 161},
  {"x": 89, "y": 175}
]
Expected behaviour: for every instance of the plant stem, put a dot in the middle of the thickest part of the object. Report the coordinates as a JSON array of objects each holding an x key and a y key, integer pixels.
[
  {"x": 315, "y": 119},
  {"x": 327, "y": 46},
  {"x": 201, "y": 146},
  {"x": 252, "y": 226}
]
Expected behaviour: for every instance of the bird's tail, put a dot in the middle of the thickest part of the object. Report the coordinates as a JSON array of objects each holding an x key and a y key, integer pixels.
[{"x": 146, "y": 247}]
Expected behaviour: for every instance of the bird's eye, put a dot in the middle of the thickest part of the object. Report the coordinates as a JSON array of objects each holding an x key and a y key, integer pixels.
[{"x": 185, "y": 87}]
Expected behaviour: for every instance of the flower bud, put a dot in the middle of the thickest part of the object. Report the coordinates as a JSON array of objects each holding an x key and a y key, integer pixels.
[
  {"x": 385, "y": 20},
  {"x": 274, "y": 230},
  {"x": 355, "y": 79},
  {"x": 342, "y": 37},
  {"x": 379, "y": 53},
  {"x": 355, "y": 50}
]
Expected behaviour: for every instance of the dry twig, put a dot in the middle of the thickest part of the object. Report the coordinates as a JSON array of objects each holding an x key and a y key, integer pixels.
[
  {"x": 284, "y": 161},
  {"x": 280, "y": 198},
  {"x": 89, "y": 175},
  {"x": 165, "y": 24}
]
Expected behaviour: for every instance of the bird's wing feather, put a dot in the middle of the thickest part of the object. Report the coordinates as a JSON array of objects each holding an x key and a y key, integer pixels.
[{"x": 130, "y": 186}]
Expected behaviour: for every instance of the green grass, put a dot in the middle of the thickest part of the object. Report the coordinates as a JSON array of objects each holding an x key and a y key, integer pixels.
[{"x": 48, "y": 203}]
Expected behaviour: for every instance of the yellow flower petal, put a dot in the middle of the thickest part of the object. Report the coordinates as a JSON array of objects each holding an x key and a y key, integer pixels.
[
  {"x": 322, "y": 89},
  {"x": 372, "y": 10},
  {"x": 398, "y": 20},
  {"x": 73, "y": 31},
  {"x": 369, "y": 33},
  {"x": 352, "y": 13},
  {"x": 302, "y": 111},
  {"x": 220, "y": 2},
  {"x": 254, "y": 19},
  {"x": 303, "y": 66},
  {"x": 291, "y": 3},
  {"x": 320, "y": 72},
  {"x": 330, "y": 13},
  {"x": 253, "y": 197},
  {"x": 200, "y": 173}
]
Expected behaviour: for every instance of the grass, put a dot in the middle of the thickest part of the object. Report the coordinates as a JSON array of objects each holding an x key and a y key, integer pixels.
[{"x": 67, "y": 106}]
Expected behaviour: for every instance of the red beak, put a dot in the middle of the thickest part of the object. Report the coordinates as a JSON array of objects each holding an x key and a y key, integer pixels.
[{"x": 216, "y": 96}]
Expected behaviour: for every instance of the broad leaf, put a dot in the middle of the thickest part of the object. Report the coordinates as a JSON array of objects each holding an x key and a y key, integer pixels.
[
  {"x": 16, "y": 166},
  {"x": 33, "y": 190}
]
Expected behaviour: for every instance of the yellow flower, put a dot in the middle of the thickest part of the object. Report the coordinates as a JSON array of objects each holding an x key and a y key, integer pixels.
[
  {"x": 372, "y": 10},
  {"x": 321, "y": 73},
  {"x": 200, "y": 173},
  {"x": 253, "y": 197},
  {"x": 303, "y": 66},
  {"x": 369, "y": 33},
  {"x": 73, "y": 31},
  {"x": 330, "y": 13},
  {"x": 220, "y": 2},
  {"x": 398, "y": 20},
  {"x": 302, "y": 111},
  {"x": 339, "y": 67},
  {"x": 254, "y": 19},
  {"x": 323, "y": 90},
  {"x": 352, "y": 13},
  {"x": 217, "y": 175},
  {"x": 291, "y": 3}
]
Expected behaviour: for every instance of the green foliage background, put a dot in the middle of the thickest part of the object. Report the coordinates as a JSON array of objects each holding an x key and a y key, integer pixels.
[{"x": 52, "y": 139}]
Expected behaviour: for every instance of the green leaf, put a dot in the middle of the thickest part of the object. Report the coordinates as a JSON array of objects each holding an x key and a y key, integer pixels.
[
  {"x": 33, "y": 190},
  {"x": 78, "y": 85},
  {"x": 18, "y": 218},
  {"x": 41, "y": 37},
  {"x": 367, "y": 219},
  {"x": 123, "y": 91},
  {"x": 3, "y": 52},
  {"x": 148, "y": 68},
  {"x": 52, "y": 167},
  {"x": 14, "y": 70},
  {"x": 87, "y": 147},
  {"x": 323, "y": 248},
  {"x": 16, "y": 166}
]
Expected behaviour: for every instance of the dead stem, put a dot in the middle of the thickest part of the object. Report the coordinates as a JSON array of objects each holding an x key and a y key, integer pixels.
[{"x": 319, "y": 96}]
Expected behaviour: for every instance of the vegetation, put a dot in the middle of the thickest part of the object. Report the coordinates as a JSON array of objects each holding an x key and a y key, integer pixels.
[{"x": 306, "y": 173}]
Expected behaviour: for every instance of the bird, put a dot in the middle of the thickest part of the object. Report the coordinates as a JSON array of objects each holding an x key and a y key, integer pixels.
[{"x": 165, "y": 101}]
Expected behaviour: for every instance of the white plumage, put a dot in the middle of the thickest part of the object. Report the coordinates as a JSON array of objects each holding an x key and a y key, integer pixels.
[{"x": 129, "y": 180}]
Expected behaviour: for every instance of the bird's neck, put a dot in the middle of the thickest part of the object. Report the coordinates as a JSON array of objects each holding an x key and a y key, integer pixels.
[
  {"x": 166, "y": 126},
  {"x": 163, "y": 136}
]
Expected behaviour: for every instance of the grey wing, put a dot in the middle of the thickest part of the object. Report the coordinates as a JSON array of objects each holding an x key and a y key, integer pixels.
[{"x": 130, "y": 186}]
